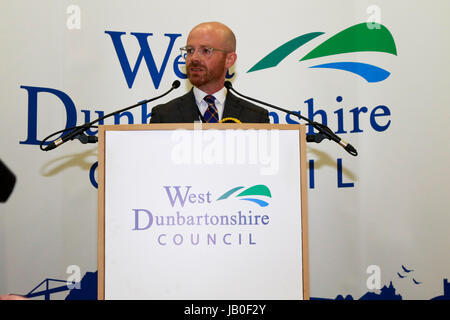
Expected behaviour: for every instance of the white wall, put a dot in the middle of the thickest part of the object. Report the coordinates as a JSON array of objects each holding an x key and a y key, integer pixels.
[{"x": 396, "y": 212}]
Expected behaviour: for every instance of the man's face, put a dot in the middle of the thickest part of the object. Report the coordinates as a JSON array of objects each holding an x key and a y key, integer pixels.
[{"x": 207, "y": 72}]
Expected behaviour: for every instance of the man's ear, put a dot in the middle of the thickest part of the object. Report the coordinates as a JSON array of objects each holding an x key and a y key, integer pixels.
[{"x": 230, "y": 59}]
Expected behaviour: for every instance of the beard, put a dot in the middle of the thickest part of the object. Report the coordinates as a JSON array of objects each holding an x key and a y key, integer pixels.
[{"x": 200, "y": 74}]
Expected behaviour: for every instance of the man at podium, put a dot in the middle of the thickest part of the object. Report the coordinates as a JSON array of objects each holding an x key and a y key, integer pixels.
[{"x": 210, "y": 51}]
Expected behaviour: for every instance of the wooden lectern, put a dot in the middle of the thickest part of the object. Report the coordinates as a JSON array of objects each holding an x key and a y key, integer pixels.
[{"x": 202, "y": 211}]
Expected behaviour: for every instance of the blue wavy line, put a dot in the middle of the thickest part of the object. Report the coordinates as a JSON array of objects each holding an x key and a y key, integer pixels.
[
  {"x": 369, "y": 72},
  {"x": 261, "y": 203}
]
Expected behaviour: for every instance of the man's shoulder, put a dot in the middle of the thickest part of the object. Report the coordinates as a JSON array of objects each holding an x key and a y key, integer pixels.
[{"x": 180, "y": 109}]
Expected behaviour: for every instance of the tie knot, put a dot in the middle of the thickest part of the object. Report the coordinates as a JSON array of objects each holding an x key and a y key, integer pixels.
[{"x": 209, "y": 99}]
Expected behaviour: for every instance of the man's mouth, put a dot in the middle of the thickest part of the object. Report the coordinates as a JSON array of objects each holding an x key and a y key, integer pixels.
[{"x": 196, "y": 68}]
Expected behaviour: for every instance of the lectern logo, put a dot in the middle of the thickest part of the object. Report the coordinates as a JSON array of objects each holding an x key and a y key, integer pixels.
[
  {"x": 248, "y": 194},
  {"x": 357, "y": 38},
  {"x": 192, "y": 219}
]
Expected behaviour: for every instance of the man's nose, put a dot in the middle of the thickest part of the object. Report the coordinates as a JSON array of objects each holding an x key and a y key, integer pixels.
[{"x": 196, "y": 55}]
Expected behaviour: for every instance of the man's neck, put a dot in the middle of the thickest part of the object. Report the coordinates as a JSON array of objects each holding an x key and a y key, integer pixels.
[
  {"x": 212, "y": 88},
  {"x": 219, "y": 95}
]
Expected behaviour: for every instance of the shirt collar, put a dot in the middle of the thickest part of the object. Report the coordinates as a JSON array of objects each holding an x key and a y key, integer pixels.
[{"x": 219, "y": 95}]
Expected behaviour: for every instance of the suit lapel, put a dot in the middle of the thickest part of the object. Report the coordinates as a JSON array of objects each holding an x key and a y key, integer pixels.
[
  {"x": 232, "y": 108},
  {"x": 188, "y": 107}
]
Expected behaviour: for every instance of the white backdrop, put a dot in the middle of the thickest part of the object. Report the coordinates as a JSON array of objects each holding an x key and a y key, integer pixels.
[{"x": 387, "y": 208}]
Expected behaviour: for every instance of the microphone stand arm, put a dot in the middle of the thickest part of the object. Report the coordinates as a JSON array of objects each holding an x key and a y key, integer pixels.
[
  {"x": 324, "y": 131},
  {"x": 79, "y": 132}
]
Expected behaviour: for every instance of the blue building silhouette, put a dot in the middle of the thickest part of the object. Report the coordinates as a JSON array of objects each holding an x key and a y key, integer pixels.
[
  {"x": 446, "y": 295},
  {"x": 88, "y": 288},
  {"x": 88, "y": 291},
  {"x": 387, "y": 293}
]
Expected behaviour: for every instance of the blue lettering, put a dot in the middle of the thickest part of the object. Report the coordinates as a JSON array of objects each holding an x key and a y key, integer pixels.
[
  {"x": 176, "y": 68},
  {"x": 289, "y": 120},
  {"x": 312, "y": 114},
  {"x": 342, "y": 184},
  {"x": 385, "y": 112},
  {"x": 127, "y": 114},
  {"x": 340, "y": 114},
  {"x": 144, "y": 53},
  {"x": 32, "y": 112},
  {"x": 145, "y": 115},
  {"x": 274, "y": 116},
  {"x": 87, "y": 118},
  {"x": 311, "y": 174},
  {"x": 92, "y": 174},
  {"x": 356, "y": 112}
]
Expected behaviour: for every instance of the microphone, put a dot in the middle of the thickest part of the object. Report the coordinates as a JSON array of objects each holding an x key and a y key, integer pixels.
[
  {"x": 324, "y": 131},
  {"x": 176, "y": 84},
  {"x": 8, "y": 180},
  {"x": 78, "y": 132}
]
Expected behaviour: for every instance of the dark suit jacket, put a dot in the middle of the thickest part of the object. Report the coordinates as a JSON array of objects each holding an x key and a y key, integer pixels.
[{"x": 184, "y": 109}]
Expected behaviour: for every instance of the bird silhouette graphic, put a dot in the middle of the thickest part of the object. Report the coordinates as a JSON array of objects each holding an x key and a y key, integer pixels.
[
  {"x": 416, "y": 282},
  {"x": 406, "y": 270},
  {"x": 400, "y": 276}
]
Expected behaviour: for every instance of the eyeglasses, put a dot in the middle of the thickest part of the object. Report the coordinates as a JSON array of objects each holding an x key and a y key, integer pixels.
[{"x": 202, "y": 51}]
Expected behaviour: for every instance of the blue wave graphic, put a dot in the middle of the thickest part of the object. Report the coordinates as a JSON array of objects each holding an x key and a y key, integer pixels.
[
  {"x": 261, "y": 203},
  {"x": 369, "y": 72}
]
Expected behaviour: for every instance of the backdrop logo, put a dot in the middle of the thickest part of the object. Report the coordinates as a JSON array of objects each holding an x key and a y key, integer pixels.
[
  {"x": 357, "y": 38},
  {"x": 257, "y": 190}
]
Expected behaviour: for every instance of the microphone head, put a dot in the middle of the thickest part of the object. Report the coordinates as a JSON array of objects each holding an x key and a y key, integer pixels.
[
  {"x": 8, "y": 182},
  {"x": 228, "y": 84},
  {"x": 176, "y": 84}
]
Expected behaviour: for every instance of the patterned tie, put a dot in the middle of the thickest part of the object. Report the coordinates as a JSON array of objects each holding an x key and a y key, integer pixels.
[{"x": 211, "y": 114}]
